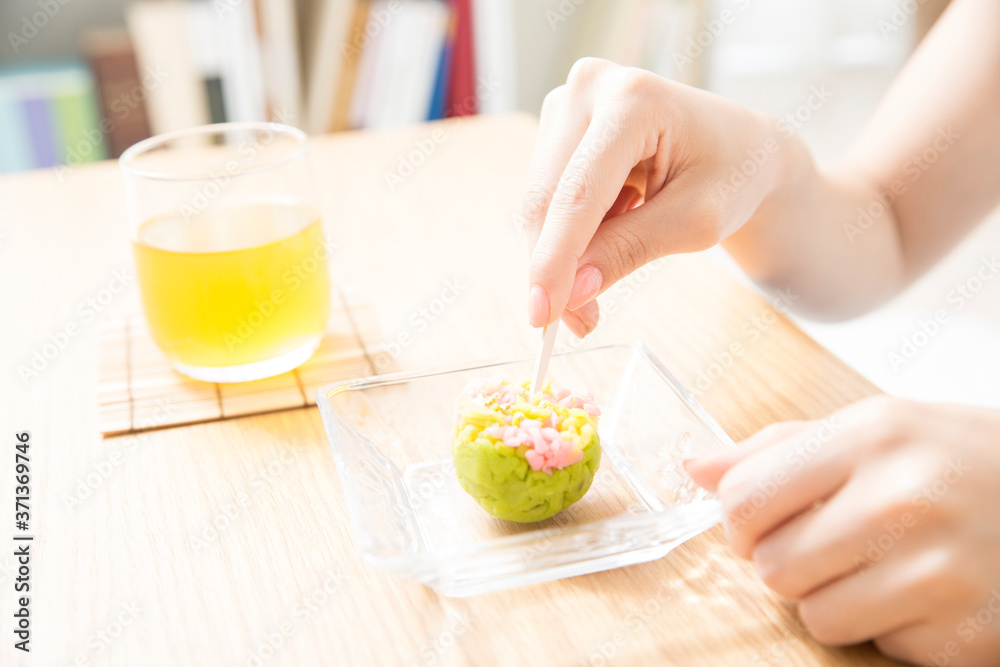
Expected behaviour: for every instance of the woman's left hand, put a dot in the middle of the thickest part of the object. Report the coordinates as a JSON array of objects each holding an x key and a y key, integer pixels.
[{"x": 883, "y": 520}]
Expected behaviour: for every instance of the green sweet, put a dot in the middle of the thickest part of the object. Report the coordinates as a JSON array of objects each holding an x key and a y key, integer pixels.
[{"x": 500, "y": 479}]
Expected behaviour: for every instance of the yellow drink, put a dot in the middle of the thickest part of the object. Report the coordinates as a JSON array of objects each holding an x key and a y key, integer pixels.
[{"x": 234, "y": 285}]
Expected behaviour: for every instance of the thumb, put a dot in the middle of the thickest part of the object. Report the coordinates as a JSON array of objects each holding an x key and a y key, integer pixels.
[{"x": 706, "y": 471}]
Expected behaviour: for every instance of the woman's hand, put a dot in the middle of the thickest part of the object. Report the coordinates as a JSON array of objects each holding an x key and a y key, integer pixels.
[
  {"x": 883, "y": 519},
  {"x": 629, "y": 167}
]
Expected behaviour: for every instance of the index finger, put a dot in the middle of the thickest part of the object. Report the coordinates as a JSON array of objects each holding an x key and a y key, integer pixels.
[
  {"x": 706, "y": 471},
  {"x": 562, "y": 124},
  {"x": 588, "y": 187},
  {"x": 780, "y": 482}
]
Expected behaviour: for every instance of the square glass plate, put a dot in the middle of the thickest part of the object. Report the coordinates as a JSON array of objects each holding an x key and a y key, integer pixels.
[{"x": 392, "y": 435}]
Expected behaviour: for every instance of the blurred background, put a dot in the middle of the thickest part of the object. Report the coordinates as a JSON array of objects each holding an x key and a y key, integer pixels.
[{"x": 81, "y": 80}]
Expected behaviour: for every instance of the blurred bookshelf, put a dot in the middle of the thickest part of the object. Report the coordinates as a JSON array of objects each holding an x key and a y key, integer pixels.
[{"x": 82, "y": 83}]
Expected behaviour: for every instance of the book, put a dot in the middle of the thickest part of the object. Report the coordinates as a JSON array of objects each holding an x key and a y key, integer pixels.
[
  {"x": 41, "y": 130},
  {"x": 306, "y": 17},
  {"x": 161, "y": 33},
  {"x": 495, "y": 58},
  {"x": 439, "y": 98},
  {"x": 280, "y": 61},
  {"x": 333, "y": 20},
  {"x": 351, "y": 51},
  {"x": 207, "y": 56},
  {"x": 371, "y": 54},
  {"x": 74, "y": 110},
  {"x": 403, "y": 81},
  {"x": 15, "y": 147},
  {"x": 121, "y": 91},
  {"x": 49, "y": 117},
  {"x": 241, "y": 67},
  {"x": 462, "y": 100},
  {"x": 432, "y": 51}
]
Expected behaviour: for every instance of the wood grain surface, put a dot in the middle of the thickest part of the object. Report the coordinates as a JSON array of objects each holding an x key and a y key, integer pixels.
[
  {"x": 227, "y": 543},
  {"x": 138, "y": 389}
]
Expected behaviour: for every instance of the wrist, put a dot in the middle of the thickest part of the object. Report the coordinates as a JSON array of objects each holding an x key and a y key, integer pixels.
[{"x": 793, "y": 162}]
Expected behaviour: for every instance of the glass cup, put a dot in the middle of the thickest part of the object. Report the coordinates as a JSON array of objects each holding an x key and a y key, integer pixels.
[{"x": 229, "y": 248}]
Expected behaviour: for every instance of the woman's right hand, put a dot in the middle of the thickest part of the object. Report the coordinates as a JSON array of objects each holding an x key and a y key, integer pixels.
[{"x": 629, "y": 167}]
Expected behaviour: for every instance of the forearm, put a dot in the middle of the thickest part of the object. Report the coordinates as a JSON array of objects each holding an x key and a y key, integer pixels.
[
  {"x": 924, "y": 172},
  {"x": 823, "y": 236}
]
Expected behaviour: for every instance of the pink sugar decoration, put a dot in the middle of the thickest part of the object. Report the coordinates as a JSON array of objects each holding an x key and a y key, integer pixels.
[
  {"x": 546, "y": 448},
  {"x": 493, "y": 388},
  {"x": 581, "y": 402}
]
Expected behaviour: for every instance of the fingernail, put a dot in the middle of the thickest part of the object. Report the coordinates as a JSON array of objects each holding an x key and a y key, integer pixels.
[
  {"x": 705, "y": 458},
  {"x": 585, "y": 287},
  {"x": 538, "y": 306}
]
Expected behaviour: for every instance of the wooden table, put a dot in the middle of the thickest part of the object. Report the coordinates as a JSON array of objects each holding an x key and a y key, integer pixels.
[{"x": 128, "y": 570}]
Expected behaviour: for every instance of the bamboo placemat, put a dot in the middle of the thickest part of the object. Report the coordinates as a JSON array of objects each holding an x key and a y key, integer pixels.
[{"x": 138, "y": 390}]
